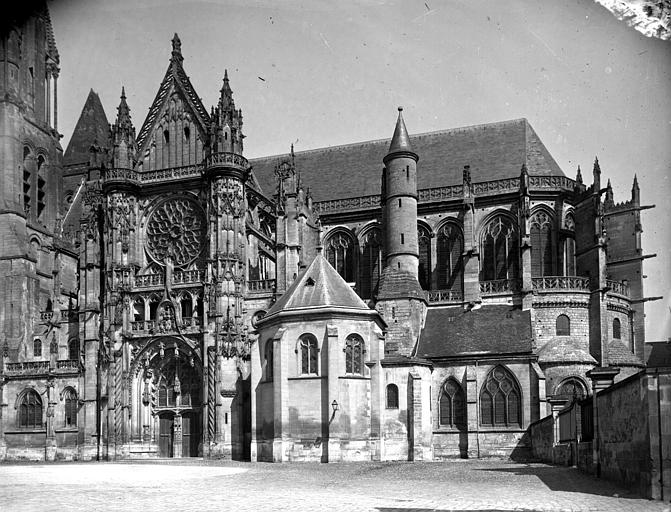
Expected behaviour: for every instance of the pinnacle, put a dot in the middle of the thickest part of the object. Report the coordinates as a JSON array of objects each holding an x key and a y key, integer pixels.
[{"x": 123, "y": 92}]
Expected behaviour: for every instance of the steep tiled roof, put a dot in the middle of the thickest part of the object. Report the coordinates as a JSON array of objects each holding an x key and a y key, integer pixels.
[
  {"x": 658, "y": 354},
  {"x": 620, "y": 355},
  {"x": 565, "y": 349},
  {"x": 494, "y": 151},
  {"x": 92, "y": 127},
  {"x": 319, "y": 286},
  {"x": 453, "y": 332}
]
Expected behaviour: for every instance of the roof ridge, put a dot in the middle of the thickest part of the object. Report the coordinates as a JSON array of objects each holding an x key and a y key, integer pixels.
[{"x": 350, "y": 145}]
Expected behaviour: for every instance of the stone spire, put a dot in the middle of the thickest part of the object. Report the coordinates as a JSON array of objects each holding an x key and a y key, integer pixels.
[
  {"x": 123, "y": 135},
  {"x": 400, "y": 141},
  {"x": 635, "y": 191},
  {"x": 176, "y": 49},
  {"x": 226, "y": 98},
  {"x": 596, "y": 173},
  {"x": 609, "y": 194},
  {"x": 228, "y": 121},
  {"x": 578, "y": 176}
]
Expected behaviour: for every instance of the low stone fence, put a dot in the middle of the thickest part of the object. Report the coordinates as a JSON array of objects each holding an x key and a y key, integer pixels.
[{"x": 623, "y": 435}]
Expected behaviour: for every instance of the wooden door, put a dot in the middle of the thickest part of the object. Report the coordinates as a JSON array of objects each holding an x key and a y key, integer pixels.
[
  {"x": 165, "y": 435},
  {"x": 190, "y": 434}
]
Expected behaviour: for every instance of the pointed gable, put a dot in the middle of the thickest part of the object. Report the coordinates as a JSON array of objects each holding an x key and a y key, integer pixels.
[
  {"x": 92, "y": 128},
  {"x": 318, "y": 287},
  {"x": 176, "y": 126}
]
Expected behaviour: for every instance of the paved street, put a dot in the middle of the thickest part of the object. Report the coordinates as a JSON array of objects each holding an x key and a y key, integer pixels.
[{"x": 386, "y": 487}]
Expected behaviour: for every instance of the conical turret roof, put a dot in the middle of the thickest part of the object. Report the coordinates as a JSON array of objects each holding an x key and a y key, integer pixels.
[
  {"x": 91, "y": 127},
  {"x": 400, "y": 142}
]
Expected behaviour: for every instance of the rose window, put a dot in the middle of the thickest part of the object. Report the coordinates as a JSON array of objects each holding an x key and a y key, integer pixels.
[{"x": 176, "y": 229}]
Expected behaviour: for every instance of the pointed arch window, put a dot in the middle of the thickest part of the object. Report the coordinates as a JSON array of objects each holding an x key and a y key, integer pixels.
[
  {"x": 499, "y": 250},
  {"x": 392, "y": 396},
  {"x": 569, "y": 246},
  {"x": 500, "y": 399},
  {"x": 27, "y": 180},
  {"x": 354, "y": 351},
  {"x": 37, "y": 347},
  {"x": 340, "y": 254},
  {"x": 541, "y": 244},
  {"x": 449, "y": 265},
  {"x": 30, "y": 410},
  {"x": 308, "y": 349},
  {"x": 73, "y": 349},
  {"x": 617, "y": 329},
  {"x": 370, "y": 264},
  {"x": 70, "y": 399},
  {"x": 563, "y": 327},
  {"x": 572, "y": 388},
  {"x": 452, "y": 405},
  {"x": 424, "y": 244}
]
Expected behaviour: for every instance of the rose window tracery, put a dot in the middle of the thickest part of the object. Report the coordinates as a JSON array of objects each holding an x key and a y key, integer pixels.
[{"x": 176, "y": 229}]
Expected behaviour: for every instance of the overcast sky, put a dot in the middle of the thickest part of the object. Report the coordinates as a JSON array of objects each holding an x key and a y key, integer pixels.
[{"x": 320, "y": 73}]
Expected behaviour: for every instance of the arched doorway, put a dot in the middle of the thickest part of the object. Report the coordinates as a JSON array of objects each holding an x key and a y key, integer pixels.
[
  {"x": 172, "y": 391},
  {"x": 166, "y": 429}
]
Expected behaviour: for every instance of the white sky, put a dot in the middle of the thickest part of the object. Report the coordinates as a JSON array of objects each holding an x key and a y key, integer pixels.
[{"x": 334, "y": 72}]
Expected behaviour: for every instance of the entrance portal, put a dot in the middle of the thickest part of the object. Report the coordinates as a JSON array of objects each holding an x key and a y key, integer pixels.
[
  {"x": 166, "y": 433},
  {"x": 190, "y": 434}
]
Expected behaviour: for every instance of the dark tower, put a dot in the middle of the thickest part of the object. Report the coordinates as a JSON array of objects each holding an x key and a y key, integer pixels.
[{"x": 401, "y": 300}]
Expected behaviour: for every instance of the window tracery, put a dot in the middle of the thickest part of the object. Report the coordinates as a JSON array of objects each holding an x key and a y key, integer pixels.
[
  {"x": 392, "y": 396},
  {"x": 424, "y": 245},
  {"x": 500, "y": 399},
  {"x": 371, "y": 263},
  {"x": 499, "y": 250},
  {"x": 176, "y": 230},
  {"x": 340, "y": 254},
  {"x": 541, "y": 244},
  {"x": 452, "y": 405},
  {"x": 449, "y": 266},
  {"x": 354, "y": 351},
  {"x": 308, "y": 354},
  {"x": 30, "y": 410}
]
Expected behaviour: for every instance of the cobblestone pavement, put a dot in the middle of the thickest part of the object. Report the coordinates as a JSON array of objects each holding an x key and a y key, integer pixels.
[{"x": 382, "y": 487}]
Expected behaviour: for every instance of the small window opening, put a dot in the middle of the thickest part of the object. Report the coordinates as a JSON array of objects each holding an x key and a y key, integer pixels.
[
  {"x": 399, "y": 203},
  {"x": 402, "y": 239},
  {"x": 407, "y": 172},
  {"x": 187, "y": 133},
  {"x": 166, "y": 136},
  {"x": 309, "y": 282}
]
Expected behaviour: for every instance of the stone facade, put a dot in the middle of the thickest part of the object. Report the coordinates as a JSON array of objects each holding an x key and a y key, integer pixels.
[{"x": 149, "y": 274}]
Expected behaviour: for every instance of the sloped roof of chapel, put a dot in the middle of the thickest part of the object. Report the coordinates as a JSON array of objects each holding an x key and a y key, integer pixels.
[
  {"x": 318, "y": 287},
  {"x": 494, "y": 151},
  {"x": 565, "y": 349},
  {"x": 454, "y": 332},
  {"x": 620, "y": 355}
]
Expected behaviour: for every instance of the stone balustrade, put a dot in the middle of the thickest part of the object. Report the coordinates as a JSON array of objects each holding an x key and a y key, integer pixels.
[
  {"x": 555, "y": 283},
  {"x": 444, "y": 296},
  {"x": 500, "y": 286},
  {"x": 261, "y": 285},
  {"x": 618, "y": 287},
  {"x": 27, "y": 368}
]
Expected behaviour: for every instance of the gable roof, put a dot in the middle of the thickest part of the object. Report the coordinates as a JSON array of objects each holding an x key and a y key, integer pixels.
[
  {"x": 496, "y": 329},
  {"x": 92, "y": 127},
  {"x": 175, "y": 78},
  {"x": 318, "y": 287},
  {"x": 494, "y": 151}
]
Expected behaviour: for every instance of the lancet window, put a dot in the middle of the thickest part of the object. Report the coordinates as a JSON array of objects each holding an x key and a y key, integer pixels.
[
  {"x": 370, "y": 264},
  {"x": 541, "y": 232},
  {"x": 499, "y": 250},
  {"x": 424, "y": 244},
  {"x": 452, "y": 405},
  {"x": 354, "y": 350},
  {"x": 308, "y": 349},
  {"x": 340, "y": 254},
  {"x": 450, "y": 264}
]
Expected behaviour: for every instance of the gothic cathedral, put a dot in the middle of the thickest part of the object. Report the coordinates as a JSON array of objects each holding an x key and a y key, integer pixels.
[{"x": 416, "y": 298}]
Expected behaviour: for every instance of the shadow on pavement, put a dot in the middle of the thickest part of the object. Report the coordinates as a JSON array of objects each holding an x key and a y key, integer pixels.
[{"x": 560, "y": 478}]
